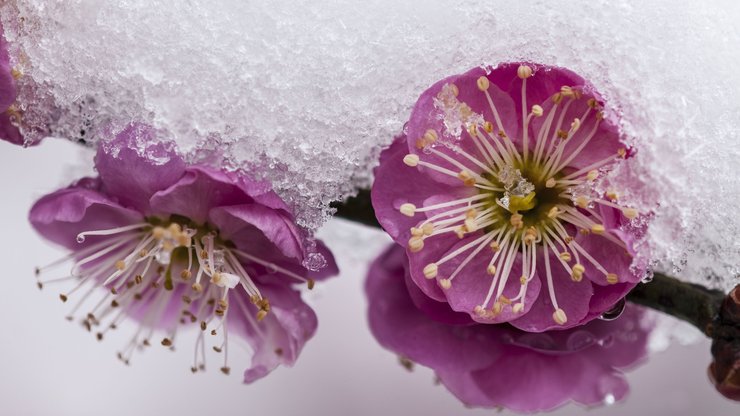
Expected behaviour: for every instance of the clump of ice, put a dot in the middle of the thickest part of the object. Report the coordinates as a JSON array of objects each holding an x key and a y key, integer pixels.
[{"x": 307, "y": 92}]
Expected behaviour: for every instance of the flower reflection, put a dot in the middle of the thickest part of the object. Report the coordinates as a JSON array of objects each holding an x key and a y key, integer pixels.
[{"x": 498, "y": 365}]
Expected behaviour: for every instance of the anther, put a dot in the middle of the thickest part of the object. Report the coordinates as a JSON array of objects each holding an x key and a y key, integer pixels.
[
  {"x": 185, "y": 274},
  {"x": 473, "y": 130},
  {"x": 537, "y": 111},
  {"x": 630, "y": 213},
  {"x": 577, "y": 272},
  {"x": 408, "y": 209},
  {"x": 495, "y": 246},
  {"x": 466, "y": 177},
  {"x": 445, "y": 283},
  {"x": 523, "y": 280},
  {"x": 138, "y": 279},
  {"x": 582, "y": 201},
  {"x": 63, "y": 297},
  {"x": 575, "y": 125},
  {"x": 411, "y": 160},
  {"x": 203, "y": 325},
  {"x": 557, "y": 98},
  {"x": 197, "y": 287},
  {"x": 120, "y": 265},
  {"x": 158, "y": 233},
  {"x": 516, "y": 221},
  {"x": 310, "y": 283},
  {"x": 622, "y": 152},
  {"x": 428, "y": 228},
  {"x": 592, "y": 103},
  {"x": 417, "y": 232},
  {"x": 612, "y": 279},
  {"x": 430, "y": 136},
  {"x": 530, "y": 235},
  {"x": 167, "y": 342},
  {"x": 559, "y": 316},
  {"x": 565, "y": 256},
  {"x": 567, "y": 91},
  {"x": 524, "y": 71},
  {"x": 497, "y": 308},
  {"x": 550, "y": 183},
  {"x": 488, "y": 126},
  {"x": 518, "y": 307},
  {"x": 479, "y": 310},
  {"x": 491, "y": 270},
  {"x": 597, "y": 229},
  {"x": 483, "y": 83},
  {"x": 553, "y": 213},
  {"x": 416, "y": 244},
  {"x": 612, "y": 195},
  {"x": 430, "y": 270},
  {"x": 592, "y": 175},
  {"x": 562, "y": 134},
  {"x": 261, "y": 314},
  {"x": 455, "y": 90},
  {"x": 226, "y": 370},
  {"x": 470, "y": 225}
]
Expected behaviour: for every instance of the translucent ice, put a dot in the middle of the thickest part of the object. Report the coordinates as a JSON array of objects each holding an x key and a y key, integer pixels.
[{"x": 309, "y": 91}]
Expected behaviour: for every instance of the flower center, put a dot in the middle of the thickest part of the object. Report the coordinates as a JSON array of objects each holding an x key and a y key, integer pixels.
[
  {"x": 150, "y": 266},
  {"x": 524, "y": 198}
]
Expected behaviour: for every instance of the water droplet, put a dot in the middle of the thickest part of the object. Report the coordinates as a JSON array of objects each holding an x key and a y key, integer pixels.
[{"x": 614, "y": 312}]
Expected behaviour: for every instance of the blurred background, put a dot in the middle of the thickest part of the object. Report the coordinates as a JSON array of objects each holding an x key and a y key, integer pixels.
[{"x": 49, "y": 366}]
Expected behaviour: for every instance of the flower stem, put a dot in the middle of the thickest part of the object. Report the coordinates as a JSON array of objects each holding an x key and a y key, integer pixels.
[{"x": 687, "y": 301}]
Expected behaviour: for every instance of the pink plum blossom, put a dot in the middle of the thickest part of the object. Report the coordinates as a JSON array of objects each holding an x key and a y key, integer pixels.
[
  {"x": 8, "y": 112},
  {"x": 176, "y": 245},
  {"x": 495, "y": 189}
]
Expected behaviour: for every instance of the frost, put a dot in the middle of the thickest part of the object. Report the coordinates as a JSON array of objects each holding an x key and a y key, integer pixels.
[{"x": 307, "y": 92}]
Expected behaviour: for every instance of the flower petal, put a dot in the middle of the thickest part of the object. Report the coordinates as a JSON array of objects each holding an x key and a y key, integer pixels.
[
  {"x": 572, "y": 297},
  {"x": 264, "y": 232},
  {"x": 134, "y": 165},
  {"x": 279, "y": 338},
  {"x": 449, "y": 116},
  {"x": 61, "y": 215},
  {"x": 202, "y": 188},
  {"x": 396, "y": 184},
  {"x": 472, "y": 284},
  {"x": 7, "y": 83}
]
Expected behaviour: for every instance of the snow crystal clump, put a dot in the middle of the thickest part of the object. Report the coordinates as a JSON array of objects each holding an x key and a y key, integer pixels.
[{"x": 308, "y": 91}]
